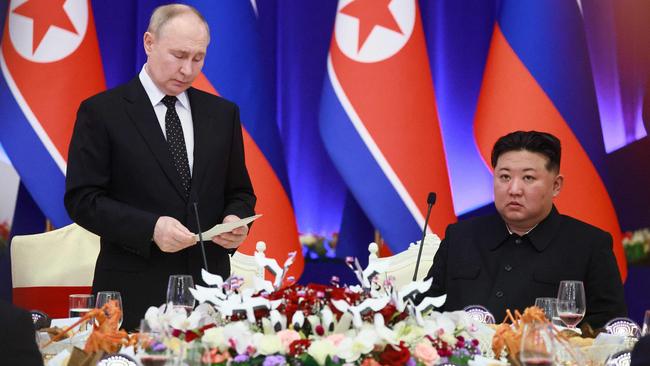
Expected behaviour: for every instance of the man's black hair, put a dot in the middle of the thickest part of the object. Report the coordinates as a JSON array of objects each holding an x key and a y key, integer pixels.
[{"x": 533, "y": 141}]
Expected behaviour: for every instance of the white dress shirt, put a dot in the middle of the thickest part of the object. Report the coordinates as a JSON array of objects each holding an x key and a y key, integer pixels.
[{"x": 182, "y": 108}]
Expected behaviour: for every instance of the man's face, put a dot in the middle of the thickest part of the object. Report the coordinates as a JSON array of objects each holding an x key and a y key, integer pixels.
[
  {"x": 176, "y": 54},
  {"x": 524, "y": 188}
]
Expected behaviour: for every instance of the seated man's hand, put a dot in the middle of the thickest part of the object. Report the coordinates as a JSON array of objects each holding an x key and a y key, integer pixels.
[
  {"x": 233, "y": 239},
  {"x": 171, "y": 236}
]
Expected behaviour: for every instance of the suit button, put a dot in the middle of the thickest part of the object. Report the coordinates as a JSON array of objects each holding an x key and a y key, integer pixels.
[
  {"x": 499, "y": 294},
  {"x": 517, "y": 241},
  {"x": 508, "y": 268}
]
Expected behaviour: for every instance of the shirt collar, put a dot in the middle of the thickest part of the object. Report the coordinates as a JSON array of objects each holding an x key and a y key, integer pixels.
[
  {"x": 156, "y": 95},
  {"x": 540, "y": 235}
]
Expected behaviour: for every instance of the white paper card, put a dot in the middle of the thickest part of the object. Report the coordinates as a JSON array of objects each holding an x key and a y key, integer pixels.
[{"x": 227, "y": 227}]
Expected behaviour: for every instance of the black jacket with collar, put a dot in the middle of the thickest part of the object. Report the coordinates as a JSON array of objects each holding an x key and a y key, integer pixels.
[
  {"x": 121, "y": 179},
  {"x": 480, "y": 262}
]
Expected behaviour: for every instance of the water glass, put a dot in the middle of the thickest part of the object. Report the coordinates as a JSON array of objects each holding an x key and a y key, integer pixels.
[
  {"x": 536, "y": 345},
  {"x": 104, "y": 297},
  {"x": 549, "y": 306},
  {"x": 178, "y": 292},
  {"x": 571, "y": 303},
  {"x": 80, "y": 305},
  {"x": 151, "y": 342}
]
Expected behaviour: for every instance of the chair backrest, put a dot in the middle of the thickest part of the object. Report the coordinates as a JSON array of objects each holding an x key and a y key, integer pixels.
[
  {"x": 402, "y": 265},
  {"x": 246, "y": 266},
  {"x": 47, "y": 267},
  {"x": 623, "y": 327}
]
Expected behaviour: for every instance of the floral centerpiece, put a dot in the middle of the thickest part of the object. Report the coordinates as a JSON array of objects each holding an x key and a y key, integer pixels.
[
  {"x": 637, "y": 245},
  {"x": 316, "y": 246},
  {"x": 369, "y": 324}
]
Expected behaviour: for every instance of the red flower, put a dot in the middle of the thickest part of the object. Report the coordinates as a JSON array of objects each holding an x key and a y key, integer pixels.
[
  {"x": 190, "y": 336},
  {"x": 320, "y": 330},
  {"x": 393, "y": 356},
  {"x": 298, "y": 347}
]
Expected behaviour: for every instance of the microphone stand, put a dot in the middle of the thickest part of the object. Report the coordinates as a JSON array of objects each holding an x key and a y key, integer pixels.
[
  {"x": 198, "y": 226},
  {"x": 431, "y": 199}
]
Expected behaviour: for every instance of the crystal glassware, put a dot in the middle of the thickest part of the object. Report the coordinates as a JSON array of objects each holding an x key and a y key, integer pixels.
[
  {"x": 571, "y": 303},
  {"x": 536, "y": 345},
  {"x": 104, "y": 297},
  {"x": 178, "y": 292},
  {"x": 549, "y": 306}
]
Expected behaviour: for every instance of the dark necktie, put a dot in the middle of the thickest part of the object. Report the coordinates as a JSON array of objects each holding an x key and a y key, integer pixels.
[{"x": 176, "y": 142}]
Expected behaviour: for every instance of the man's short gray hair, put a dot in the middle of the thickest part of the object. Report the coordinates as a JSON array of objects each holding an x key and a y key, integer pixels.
[{"x": 163, "y": 14}]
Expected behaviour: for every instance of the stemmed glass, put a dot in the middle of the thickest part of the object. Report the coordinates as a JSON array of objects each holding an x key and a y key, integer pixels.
[
  {"x": 645, "y": 330},
  {"x": 103, "y": 297},
  {"x": 178, "y": 292},
  {"x": 571, "y": 303},
  {"x": 536, "y": 345}
]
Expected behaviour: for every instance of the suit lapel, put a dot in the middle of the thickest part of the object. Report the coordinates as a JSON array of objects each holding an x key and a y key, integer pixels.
[
  {"x": 139, "y": 108},
  {"x": 201, "y": 124}
]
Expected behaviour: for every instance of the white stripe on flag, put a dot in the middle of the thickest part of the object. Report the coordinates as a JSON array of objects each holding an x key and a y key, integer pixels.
[
  {"x": 374, "y": 149},
  {"x": 36, "y": 125}
]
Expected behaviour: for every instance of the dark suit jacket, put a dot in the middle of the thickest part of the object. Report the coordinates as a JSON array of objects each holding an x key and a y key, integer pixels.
[
  {"x": 17, "y": 339},
  {"x": 479, "y": 262},
  {"x": 121, "y": 179},
  {"x": 641, "y": 352}
]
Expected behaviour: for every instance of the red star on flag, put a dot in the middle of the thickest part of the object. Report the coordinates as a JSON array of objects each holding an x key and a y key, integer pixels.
[
  {"x": 45, "y": 15},
  {"x": 371, "y": 14}
]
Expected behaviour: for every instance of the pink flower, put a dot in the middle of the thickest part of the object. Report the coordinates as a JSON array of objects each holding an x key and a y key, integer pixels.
[
  {"x": 425, "y": 353},
  {"x": 335, "y": 338},
  {"x": 213, "y": 356},
  {"x": 287, "y": 336}
]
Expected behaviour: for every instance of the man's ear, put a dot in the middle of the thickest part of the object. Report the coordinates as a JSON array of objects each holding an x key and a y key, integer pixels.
[
  {"x": 147, "y": 41},
  {"x": 558, "y": 182}
]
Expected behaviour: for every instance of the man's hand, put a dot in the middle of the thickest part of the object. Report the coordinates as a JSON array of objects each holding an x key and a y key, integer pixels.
[
  {"x": 171, "y": 236},
  {"x": 233, "y": 239}
]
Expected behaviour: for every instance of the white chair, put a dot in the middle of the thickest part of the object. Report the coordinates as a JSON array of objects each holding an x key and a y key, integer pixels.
[
  {"x": 402, "y": 265},
  {"x": 245, "y": 266},
  {"x": 47, "y": 267}
]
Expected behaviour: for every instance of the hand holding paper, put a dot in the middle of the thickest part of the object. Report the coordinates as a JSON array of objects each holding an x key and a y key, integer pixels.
[{"x": 230, "y": 223}]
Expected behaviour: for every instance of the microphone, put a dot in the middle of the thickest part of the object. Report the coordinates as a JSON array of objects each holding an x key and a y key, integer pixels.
[
  {"x": 198, "y": 226},
  {"x": 431, "y": 200}
]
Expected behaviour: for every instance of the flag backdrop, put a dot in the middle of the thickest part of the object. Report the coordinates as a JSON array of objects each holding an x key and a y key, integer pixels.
[
  {"x": 379, "y": 121},
  {"x": 50, "y": 62},
  {"x": 538, "y": 77},
  {"x": 234, "y": 68}
]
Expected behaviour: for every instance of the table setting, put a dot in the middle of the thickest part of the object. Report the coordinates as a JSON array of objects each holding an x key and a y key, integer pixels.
[{"x": 370, "y": 323}]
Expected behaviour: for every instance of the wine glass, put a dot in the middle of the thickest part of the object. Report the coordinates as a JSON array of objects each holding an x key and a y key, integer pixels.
[
  {"x": 571, "y": 303},
  {"x": 536, "y": 345},
  {"x": 178, "y": 292},
  {"x": 104, "y": 297}
]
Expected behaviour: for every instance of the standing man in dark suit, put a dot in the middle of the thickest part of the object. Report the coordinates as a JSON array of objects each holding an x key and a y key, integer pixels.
[
  {"x": 508, "y": 259},
  {"x": 143, "y": 153}
]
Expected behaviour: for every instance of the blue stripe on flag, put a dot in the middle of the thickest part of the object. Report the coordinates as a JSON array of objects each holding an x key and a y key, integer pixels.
[
  {"x": 365, "y": 179},
  {"x": 38, "y": 171}
]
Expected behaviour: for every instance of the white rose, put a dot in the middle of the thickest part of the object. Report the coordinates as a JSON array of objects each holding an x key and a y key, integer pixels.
[
  {"x": 320, "y": 349},
  {"x": 268, "y": 344},
  {"x": 213, "y": 337}
]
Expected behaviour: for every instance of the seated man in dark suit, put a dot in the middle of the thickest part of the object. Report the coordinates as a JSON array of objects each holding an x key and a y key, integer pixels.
[
  {"x": 18, "y": 339},
  {"x": 505, "y": 261}
]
